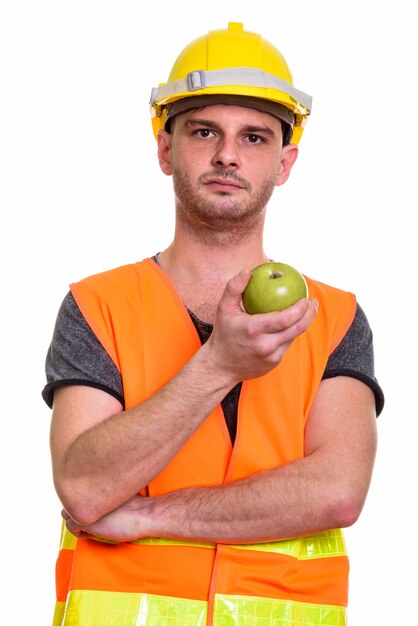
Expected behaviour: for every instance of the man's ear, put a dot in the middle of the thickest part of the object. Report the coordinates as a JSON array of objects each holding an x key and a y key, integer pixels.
[
  {"x": 164, "y": 140},
  {"x": 287, "y": 159}
]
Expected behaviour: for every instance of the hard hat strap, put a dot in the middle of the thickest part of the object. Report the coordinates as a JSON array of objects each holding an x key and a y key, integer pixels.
[{"x": 242, "y": 76}]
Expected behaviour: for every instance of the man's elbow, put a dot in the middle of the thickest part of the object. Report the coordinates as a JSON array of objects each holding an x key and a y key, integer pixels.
[
  {"x": 80, "y": 506},
  {"x": 345, "y": 508},
  {"x": 83, "y": 516}
]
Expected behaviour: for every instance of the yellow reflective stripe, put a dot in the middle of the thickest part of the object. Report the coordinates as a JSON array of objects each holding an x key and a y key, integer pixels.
[
  {"x": 328, "y": 543},
  {"x": 158, "y": 541},
  {"x": 107, "y": 608},
  {"x": 248, "y": 611},
  {"x": 58, "y": 614},
  {"x": 67, "y": 541}
]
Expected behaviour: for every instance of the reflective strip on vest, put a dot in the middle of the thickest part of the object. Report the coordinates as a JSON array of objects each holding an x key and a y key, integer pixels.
[
  {"x": 109, "y": 608},
  {"x": 59, "y": 614},
  {"x": 68, "y": 540},
  {"x": 247, "y": 611},
  {"x": 104, "y": 608},
  {"x": 328, "y": 543}
]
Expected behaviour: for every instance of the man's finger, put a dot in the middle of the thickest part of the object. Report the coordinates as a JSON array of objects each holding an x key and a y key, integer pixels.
[
  {"x": 234, "y": 289},
  {"x": 73, "y": 527},
  {"x": 277, "y": 321}
]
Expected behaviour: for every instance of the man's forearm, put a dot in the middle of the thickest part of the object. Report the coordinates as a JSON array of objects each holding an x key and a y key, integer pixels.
[
  {"x": 323, "y": 490},
  {"x": 280, "y": 503},
  {"x": 109, "y": 463},
  {"x": 293, "y": 500}
]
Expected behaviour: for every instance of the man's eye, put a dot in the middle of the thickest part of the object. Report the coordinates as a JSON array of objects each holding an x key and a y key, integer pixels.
[
  {"x": 254, "y": 139},
  {"x": 203, "y": 132}
]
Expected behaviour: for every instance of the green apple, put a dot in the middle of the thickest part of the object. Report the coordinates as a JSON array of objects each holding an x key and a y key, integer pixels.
[{"x": 273, "y": 287}]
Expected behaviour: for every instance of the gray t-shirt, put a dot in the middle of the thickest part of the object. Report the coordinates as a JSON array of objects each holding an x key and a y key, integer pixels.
[{"x": 76, "y": 357}]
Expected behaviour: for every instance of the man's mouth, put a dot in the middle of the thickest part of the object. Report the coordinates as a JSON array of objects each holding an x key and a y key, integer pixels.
[{"x": 224, "y": 184}]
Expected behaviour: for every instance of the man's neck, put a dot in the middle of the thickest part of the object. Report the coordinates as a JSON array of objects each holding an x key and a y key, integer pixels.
[{"x": 199, "y": 273}]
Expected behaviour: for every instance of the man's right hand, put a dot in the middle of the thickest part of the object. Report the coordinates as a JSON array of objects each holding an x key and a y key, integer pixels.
[{"x": 248, "y": 346}]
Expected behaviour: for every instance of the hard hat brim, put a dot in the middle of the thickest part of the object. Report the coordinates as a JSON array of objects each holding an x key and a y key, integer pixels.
[{"x": 195, "y": 102}]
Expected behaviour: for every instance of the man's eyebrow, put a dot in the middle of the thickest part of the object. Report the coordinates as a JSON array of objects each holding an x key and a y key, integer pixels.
[
  {"x": 260, "y": 129},
  {"x": 200, "y": 121},
  {"x": 249, "y": 128}
]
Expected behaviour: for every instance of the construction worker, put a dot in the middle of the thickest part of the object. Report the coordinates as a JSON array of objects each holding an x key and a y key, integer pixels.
[{"x": 207, "y": 459}]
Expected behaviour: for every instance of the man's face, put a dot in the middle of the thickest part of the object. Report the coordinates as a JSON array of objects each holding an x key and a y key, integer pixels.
[{"x": 225, "y": 161}]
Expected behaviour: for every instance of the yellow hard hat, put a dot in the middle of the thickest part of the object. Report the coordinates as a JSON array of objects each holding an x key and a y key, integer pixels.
[{"x": 231, "y": 66}]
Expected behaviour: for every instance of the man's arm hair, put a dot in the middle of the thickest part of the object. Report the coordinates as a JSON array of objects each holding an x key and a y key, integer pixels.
[{"x": 326, "y": 489}]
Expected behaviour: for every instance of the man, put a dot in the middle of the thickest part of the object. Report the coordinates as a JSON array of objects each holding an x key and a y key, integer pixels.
[{"x": 206, "y": 458}]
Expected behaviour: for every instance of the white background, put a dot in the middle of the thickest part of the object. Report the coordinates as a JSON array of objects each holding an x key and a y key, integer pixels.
[{"x": 81, "y": 192}]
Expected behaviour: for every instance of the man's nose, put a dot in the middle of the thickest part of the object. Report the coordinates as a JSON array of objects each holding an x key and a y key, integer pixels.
[{"x": 227, "y": 154}]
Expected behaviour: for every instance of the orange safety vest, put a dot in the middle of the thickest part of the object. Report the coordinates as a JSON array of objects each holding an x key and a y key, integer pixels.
[{"x": 141, "y": 322}]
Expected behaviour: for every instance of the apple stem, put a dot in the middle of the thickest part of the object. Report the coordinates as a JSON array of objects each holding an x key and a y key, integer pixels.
[{"x": 275, "y": 274}]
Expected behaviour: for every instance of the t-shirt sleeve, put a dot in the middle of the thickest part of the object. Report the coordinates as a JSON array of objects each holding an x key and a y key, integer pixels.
[
  {"x": 76, "y": 356},
  {"x": 354, "y": 357}
]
